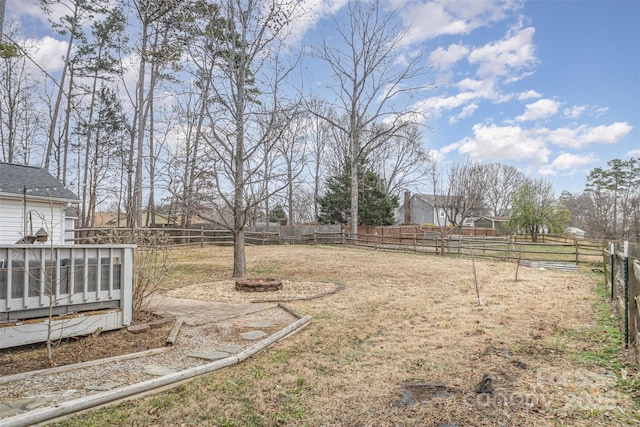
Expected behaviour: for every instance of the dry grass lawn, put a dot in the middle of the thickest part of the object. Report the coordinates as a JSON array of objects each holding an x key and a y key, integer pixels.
[{"x": 404, "y": 319}]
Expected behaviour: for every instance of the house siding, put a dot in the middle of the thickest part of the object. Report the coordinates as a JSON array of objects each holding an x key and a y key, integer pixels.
[
  {"x": 421, "y": 212},
  {"x": 43, "y": 214}
]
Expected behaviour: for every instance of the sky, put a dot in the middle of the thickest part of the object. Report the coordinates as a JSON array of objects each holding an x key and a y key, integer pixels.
[{"x": 551, "y": 87}]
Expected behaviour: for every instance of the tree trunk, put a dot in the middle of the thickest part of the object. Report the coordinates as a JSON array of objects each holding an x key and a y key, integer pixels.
[
  {"x": 239, "y": 257},
  {"x": 355, "y": 149},
  {"x": 56, "y": 108},
  {"x": 136, "y": 202}
]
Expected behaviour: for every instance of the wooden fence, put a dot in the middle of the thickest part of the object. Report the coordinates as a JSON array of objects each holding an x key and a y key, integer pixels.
[
  {"x": 517, "y": 248},
  {"x": 622, "y": 272},
  {"x": 206, "y": 236},
  {"x": 480, "y": 242}
]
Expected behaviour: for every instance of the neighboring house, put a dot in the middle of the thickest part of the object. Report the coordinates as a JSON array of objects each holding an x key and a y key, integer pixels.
[
  {"x": 70, "y": 218},
  {"x": 427, "y": 209},
  {"x": 102, "y": 219},
  {"x": 494, "y": 222},
  {"x": 160, "y": 220},
  {"x": 575, "y": 232},
  {"x": 32, "y": 203}
]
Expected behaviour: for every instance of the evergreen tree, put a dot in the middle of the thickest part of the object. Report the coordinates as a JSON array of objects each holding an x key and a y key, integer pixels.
[
  {"x": 375, "y": 205},
  {"x": 277, "y": 213}
]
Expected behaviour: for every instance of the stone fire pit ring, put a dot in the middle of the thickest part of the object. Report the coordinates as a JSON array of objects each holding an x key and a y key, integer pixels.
[{"x": 259, "y": 285}]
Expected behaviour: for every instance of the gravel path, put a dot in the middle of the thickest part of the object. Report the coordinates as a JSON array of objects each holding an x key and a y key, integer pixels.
[{"x": 193, "y": 342}]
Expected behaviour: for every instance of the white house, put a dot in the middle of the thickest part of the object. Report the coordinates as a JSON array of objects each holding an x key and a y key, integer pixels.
[
  {"x": 575, "y": 232},
  {"x": 32, "y": 203},
  {"x": 52, "y": 291}
]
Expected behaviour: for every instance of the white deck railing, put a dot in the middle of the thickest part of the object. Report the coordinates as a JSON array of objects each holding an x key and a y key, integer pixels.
[{"x": 38, "y": 281}]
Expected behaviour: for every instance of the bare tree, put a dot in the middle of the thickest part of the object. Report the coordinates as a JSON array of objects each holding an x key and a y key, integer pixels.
[
  {"x": 402, "y": 161},
  {"x": 155, "y": 19},
  {"x": 501, "y": 181},
  {"x": 317, "y": 138},
  {"x": 19, "y": 118},
  {"x": 247, "y": 95},
  {"x": 3, "y": 5},
  {"x": 78, "y": 13},
  {"x": 459, "y": 191},
  {"x": 291, "y": 149},
  {"x": 372, "y": 87}
]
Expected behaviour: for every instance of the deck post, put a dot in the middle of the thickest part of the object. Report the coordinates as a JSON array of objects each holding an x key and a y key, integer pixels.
[{"x": 126, "y": 301}]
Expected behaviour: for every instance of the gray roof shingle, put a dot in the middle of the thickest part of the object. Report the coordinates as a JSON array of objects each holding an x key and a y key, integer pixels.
[{"x": 38, "y": 182}]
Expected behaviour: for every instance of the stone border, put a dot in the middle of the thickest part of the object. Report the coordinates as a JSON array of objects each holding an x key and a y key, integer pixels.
[
  {"x": 339, "y": 287},
  {"x": 259, "y": 285}
]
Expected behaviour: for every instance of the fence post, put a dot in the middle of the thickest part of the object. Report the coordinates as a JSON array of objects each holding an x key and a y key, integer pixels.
[
  {"x": 577, "y": 251},
  {"x": 415, "y": 243},
  {"x": 375, "y": 240},
  {"x": 626, "y": 294},
  {"x": 202, "y": 236},
  {"x": 513, "y": 246},
  {"x": 612, "y": 257},
  {"x": 126, "y": 293}
]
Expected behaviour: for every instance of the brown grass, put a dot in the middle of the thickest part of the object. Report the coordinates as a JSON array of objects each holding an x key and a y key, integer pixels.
[{"x": 402, "y": 319}]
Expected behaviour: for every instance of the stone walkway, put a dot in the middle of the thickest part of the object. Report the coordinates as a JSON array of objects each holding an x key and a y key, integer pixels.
[{"x": 195, "y": 346}]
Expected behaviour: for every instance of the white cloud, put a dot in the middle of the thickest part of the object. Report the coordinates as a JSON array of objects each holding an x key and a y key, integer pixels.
[
  {"x": 49, "y": 53},
  {"x": 498, "y": 143},
  {"x": 583, "y": 135},
  {"x": 633, "y": 153},
  {"x": 606, "y": 134},
  {"x": 427, "y": 20},
  {"x": 504, "y": 57},
  {"x": 567, "y": 164},
  {"x": 575, "y": 111},
  {"x": 530, "y": 94},
  {"x": 435, "y": 105},
  {"x": 513, "y": 142},
  {"x": 540, "y": 109},
  {"x": 467, "y": 111},
  {"x": 566, "y": 161},
  {"x": 30, "y": 8},
  {"x": 443, "y": 59},
  {"x": 308, "y": 13}
]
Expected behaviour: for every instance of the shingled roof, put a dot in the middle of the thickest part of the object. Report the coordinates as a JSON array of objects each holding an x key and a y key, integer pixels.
[{"x": 38, "y": 182}]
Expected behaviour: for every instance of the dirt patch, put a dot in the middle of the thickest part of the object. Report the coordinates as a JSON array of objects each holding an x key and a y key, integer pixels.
[{"x": 81, "y": 349}]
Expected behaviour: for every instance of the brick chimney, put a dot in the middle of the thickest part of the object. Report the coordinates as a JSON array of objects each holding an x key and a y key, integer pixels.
[{"x": 407, "y": 207}]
